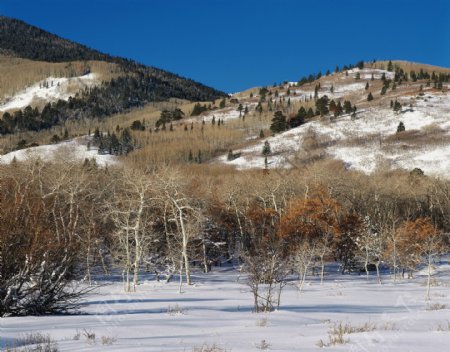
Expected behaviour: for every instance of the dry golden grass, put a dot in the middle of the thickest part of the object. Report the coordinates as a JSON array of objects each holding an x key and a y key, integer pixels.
[
  {"x": 408, "y": 66},
  {"x": 16, "y": 74},
  {"x": 172, "y": 147}
]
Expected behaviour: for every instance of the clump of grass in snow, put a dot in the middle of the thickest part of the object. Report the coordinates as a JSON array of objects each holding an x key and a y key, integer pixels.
[
  {"x": 34, "y": 342},
  {"x": 443, "y": 327},
  {"x": 263, "y": 345},
  {"x": 337, "y": 332},
  {"x": 261, "y": 322},
  {"x": 176, "y": 310},
  {"x": 209, "y": 348},
  {"x": 435, "y": 306}
]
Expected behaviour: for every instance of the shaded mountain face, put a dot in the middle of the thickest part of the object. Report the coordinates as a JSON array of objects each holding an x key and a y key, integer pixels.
[
  {"x": 23, "y": 40},
  {"x": 136, "y": 85}
]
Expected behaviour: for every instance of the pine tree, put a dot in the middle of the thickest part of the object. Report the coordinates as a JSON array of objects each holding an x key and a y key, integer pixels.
[
  {"x": 213, "y": 121},
  {"x": 397, "y": 106},
  {"x": 322, "y": 105},
  {"x": 357, "y": 76},
  {"x": 390, "y": 66},
  {"x": 401, "y": 127},
  {"x": 266, "y": 149},
  {"x": 240, "y": 108},
  {"x": 347, "y": 107},
  {"x": 278, "y": 122},
  {"x": 338, "y": 110},
  {"x": 190, "y": 156},
  {"x": 230, "y": 155},
  {"x": 261, "y": 134},
  {"x": 370, "y": 97},
  {"x": 367, "y": 86},
  {"x": 222, "y": 103}
]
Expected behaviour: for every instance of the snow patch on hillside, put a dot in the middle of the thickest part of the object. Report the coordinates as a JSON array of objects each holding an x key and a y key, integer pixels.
[
  {"x": 359, "y": 142},
  {"x": 74, "y": 150},
  {"x": 58, "y": 88}
]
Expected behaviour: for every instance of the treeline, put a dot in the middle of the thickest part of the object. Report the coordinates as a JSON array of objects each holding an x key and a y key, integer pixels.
[{"x": 60, "y": 221}]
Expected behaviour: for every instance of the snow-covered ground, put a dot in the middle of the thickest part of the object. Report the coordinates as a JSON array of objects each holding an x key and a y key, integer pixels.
[
  {"x": 217, "y": 309},
  {"x": 72, "y": 150},
  {"x": 58, "y": 88},
  {"x": 368, "y": 131}
]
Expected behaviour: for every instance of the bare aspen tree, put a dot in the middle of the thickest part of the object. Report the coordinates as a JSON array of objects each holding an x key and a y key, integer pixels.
[{"x": 130, "y": 210}]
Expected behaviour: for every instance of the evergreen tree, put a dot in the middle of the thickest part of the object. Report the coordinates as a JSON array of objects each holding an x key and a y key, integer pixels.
[
  {"x": 190, "y": 156},
  {"x": 367, "y": 86},
  {"x": 390, "y": 66},
  {"x": 266, "y": 149},
  {"x": 400, "y": 127},
  {"x": 114, "y": 145},
  {"x": 322, "y": 105},
  {"x": 278, "y": 122},
  {"x": 347, "y": 107},
  {"x": 397, "y": 106},
  {"x": 370, "y": 97},
  {"x": 240, "y": 108},
  {"x": 126, "y": 141},
  {"x": 299, "y": 118},
  {"x": 230, "y": 155},
  {"x": 357, "y": 76},
  {"x": 261, "y": 134},
  {"x": 222, "y": 103},
  {"x": 338, "y": 110}
]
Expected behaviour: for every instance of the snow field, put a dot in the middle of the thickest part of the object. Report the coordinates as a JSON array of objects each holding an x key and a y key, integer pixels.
[
  {"x": 58, "y": 88},
  {"x": 72, "y": 150},
  {"x": 217, "y": 309}
]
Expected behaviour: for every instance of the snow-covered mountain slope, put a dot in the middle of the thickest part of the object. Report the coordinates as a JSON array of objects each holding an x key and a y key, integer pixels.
[
  {"x": 48, "y": 90},
  {"x": 369, "y": 140},
  {"x": 73, "y": 150}
]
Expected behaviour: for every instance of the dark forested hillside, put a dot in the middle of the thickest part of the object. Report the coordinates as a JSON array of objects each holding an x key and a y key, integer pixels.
[
  {"x": 26, "y": 41},
  {"x": 137, "y": 85}
]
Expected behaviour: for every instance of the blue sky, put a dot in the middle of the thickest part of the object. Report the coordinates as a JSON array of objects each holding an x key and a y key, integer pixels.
[{"x": 237, "y": 44}]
